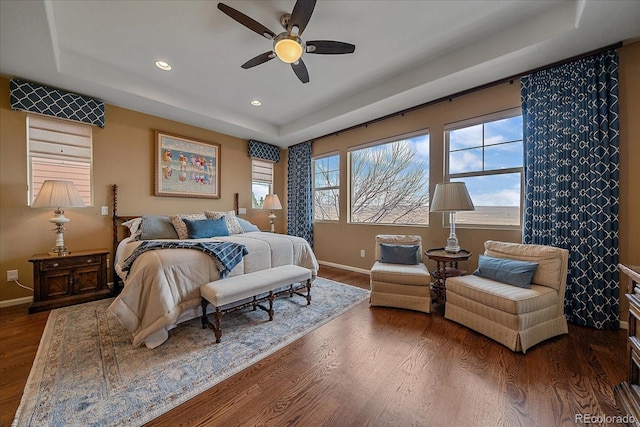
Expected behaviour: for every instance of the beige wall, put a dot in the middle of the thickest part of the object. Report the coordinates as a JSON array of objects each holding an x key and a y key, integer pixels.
[
  {"x": 340, "y": 243},
  {"x": 124, "y": 155}
]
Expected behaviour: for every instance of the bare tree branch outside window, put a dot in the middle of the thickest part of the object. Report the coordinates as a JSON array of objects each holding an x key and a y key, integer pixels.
[
  {"x": 390, "y": 184},
  {"x": 326, "y": 203}
]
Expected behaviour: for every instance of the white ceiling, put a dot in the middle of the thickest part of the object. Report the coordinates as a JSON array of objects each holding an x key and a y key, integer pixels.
[{"x": 407, "y": 53}]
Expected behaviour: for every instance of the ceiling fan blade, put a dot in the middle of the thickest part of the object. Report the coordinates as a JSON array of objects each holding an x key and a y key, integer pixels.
[
  {"x": 260, "y": 59},
  {"x": 246, "y": 21},
  {"x": 301, "y": 15},
  {"x": 329, "y": 47},
  {"x": 301, "y": 71}
]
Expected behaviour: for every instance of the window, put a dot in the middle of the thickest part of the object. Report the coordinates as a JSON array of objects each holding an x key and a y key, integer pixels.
[
  {"x": 61, "y": 150},
  {"x": 390, "y": 181},
  {"x": 487, "y": 155},
  {"x": 326, "y": 188},
  {"x": 261, "y": 181}
]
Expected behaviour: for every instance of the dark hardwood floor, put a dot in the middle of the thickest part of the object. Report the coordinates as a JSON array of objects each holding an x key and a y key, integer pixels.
[{"x": 382, "y": 367}]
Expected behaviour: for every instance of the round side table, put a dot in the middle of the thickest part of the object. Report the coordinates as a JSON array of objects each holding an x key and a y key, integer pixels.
[{"x": 446, "y": 266}]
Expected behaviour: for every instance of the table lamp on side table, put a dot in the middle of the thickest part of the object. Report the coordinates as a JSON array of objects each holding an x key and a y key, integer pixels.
[
  {"x": 58, "y": 194},
  {"x": 451, "y": 197},
  {"x": 271, "y": 202}
]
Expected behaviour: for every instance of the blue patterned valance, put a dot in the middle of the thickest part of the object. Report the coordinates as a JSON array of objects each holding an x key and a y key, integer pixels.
[
  {"x": 32, "y": 97},
  {"x": 264, "y": 151}
]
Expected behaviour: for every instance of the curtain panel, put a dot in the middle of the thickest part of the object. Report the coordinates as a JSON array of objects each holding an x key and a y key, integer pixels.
[
  {"x": 571, "y": 133},
  {"x": 300, "y": 192}
]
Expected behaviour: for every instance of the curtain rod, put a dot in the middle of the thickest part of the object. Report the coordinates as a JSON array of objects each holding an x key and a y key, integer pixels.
[{"x": 474, "y": 89}]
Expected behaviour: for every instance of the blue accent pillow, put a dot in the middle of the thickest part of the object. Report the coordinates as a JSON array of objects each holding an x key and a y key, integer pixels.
[
  {"x": 157, "y": 227},
  {"x": 247, "y": 227},
  {"x": 202, "y": 228},
  {"x": 399, "y": 254},
  {"x": 510, "y": 271}
]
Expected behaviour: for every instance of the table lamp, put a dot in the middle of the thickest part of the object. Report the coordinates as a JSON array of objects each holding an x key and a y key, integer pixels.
[
  {"x": 58, "y": 194},
  {"x": 271, "y": 202},
  {"x": 451, "y": 197}
]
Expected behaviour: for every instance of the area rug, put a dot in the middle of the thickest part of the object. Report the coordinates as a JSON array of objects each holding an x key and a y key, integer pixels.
[{"x": 86, "y": 371}]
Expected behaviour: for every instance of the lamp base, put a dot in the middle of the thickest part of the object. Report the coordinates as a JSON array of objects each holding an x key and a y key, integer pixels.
[{"x": 452, "y": 245}]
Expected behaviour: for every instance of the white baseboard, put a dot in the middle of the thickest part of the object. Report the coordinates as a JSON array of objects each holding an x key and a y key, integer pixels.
[
  {"x": 344, "y": 267},
  {"x": 16, "y": 301}
]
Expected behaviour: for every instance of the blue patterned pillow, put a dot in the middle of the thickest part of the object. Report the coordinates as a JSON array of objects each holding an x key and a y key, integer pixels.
[
  {"x": 399, "y": 254},
  {"x": 200, "y": 229},
  {"x": 509, "y": 271}
]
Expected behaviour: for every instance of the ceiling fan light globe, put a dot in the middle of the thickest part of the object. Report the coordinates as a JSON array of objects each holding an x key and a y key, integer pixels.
[{"x": 288, "y": 48}]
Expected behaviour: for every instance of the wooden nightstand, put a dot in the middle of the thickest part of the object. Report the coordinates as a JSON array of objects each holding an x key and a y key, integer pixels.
[{"x": 77, "y": 277}]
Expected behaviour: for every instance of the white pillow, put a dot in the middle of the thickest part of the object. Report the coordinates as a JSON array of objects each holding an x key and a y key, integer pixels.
[{"x": 134, "y": 226}]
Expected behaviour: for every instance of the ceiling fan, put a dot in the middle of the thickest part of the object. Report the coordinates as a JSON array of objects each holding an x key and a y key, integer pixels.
[{"x": 288, "y": 46}]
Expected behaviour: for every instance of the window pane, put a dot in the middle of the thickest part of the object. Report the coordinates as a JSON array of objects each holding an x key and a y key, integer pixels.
[
  {"x": 326, "y": 194},
  {"x": 496, "y": 199},
  {"x": 326, "y": 205},
  {"x": 465, "y": 138},
  {"x": 465, "y": 161},
  {"x": 504, "y": 130},
  {"x": 327, "y": 171},
  {"x": 390, "y": 182},
  {"x": 259, "y": 191},
  {"x": 503, "y": 156}
]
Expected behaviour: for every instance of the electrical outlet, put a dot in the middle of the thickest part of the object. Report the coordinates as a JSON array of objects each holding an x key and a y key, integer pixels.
[
  {"x": 12, "y": 275},
  {"x": 242, "y": 211},
  {"x": 362, "y": 253}
]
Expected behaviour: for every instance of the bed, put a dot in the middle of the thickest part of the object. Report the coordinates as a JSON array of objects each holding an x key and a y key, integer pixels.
[{"x": 162, "y": 287}]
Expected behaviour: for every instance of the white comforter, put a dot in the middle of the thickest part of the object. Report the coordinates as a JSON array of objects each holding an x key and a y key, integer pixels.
[{"x": 162, "y": 288}]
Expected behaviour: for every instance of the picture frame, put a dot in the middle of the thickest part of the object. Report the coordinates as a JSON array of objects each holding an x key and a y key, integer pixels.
[{"x": 186, "y": 167}]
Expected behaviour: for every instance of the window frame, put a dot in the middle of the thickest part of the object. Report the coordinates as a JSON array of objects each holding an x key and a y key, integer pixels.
[
  {"x": 266, "y": 164},
  {"x": 448, "y": 177},
  {"x": 336, "y": 188},
  {"x": 46, "y": 138},
  {"x": 383, "y": 141}
]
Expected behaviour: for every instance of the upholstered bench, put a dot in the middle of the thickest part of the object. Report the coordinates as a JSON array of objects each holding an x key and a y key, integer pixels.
[{"x": 249, "y": 290}]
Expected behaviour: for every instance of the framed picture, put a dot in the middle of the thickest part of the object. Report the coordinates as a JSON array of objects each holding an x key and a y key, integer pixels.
[{"x": 186, "y": 167}]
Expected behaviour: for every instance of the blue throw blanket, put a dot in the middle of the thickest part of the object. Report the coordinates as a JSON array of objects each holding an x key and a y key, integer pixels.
[{"x": 225, "y": 254}]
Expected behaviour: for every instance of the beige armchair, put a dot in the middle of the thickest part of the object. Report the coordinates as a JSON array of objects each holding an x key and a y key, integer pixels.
[
  {"x": 514, "y": 316},
  {"x": 397, "y": 284}
]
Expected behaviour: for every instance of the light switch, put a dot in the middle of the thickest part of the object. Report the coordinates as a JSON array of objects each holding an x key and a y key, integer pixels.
[
  {"x": 104, "y": 210},
  {"x": 242, "y": 211}
]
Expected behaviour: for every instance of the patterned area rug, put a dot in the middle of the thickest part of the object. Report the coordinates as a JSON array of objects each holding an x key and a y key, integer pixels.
[{"x": 86, "y": 371}]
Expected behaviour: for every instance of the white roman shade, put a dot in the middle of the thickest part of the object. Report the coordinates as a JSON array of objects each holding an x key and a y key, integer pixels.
[
  {"x": 262, "y": 172},
  {"x": 59, "y": 150}
]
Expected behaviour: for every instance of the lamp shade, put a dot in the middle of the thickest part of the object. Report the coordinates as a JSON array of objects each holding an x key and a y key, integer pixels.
[
  {"x": 58, "y": 194},
  {"x": 451, "y": 196},
  {"x": 271, "y": 202}
]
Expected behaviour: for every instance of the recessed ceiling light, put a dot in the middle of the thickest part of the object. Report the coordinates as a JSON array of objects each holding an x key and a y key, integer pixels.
[
  {"x": 256, "y": 103},
  {"x": 163, "y": 65}
]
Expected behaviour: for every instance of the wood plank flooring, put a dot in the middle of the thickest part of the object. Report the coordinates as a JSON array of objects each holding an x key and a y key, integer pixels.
[{"x": 381, "y": 367}]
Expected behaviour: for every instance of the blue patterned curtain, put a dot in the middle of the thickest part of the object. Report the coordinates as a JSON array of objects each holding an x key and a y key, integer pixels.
[
  {"x": 299, "y": 192},
  {"x": 570, "y": 116}
]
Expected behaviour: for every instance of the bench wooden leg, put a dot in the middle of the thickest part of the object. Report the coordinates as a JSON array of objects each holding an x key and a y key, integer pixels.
[
  {"x": 308, "y": 291},
  {"x": 216, "y": 327},
  {"x": 204, "y": 319},
  {"x": 271, "y": 298}
]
